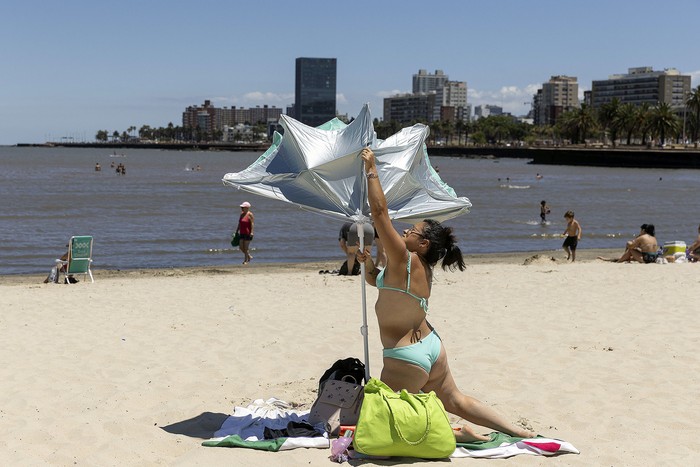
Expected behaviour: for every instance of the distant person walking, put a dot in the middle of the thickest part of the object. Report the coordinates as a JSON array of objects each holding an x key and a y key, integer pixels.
[
  {"x": 572, "y": 234},
  {"x": 544, "y": 210},
  {"x": 245, "y": 230}
]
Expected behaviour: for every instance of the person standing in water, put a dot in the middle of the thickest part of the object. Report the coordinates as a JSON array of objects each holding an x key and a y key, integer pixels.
[
  {"x": 245, "y": 230},
  {"x": 544, "y": 210}
]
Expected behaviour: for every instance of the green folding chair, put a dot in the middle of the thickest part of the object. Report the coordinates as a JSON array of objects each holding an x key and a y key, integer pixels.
[{"x": 79, "y": 257}]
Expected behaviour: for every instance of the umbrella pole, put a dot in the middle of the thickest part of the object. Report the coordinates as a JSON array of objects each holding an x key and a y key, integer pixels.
[{"x": 363, "y": 329}]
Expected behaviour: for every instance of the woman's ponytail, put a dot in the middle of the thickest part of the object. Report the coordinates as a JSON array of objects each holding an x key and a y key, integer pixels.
[{"x": 443, "y": 246}]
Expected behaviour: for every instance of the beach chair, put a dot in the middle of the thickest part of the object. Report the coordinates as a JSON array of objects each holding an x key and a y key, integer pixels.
[{"x": 79, "y": 257}]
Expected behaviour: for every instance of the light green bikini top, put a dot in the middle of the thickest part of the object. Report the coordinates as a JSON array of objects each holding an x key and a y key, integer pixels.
[{"x": 380, "y": 285}]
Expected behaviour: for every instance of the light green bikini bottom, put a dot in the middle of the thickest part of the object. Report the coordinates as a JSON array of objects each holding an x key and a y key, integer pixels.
[{"x": 423, "y": 353}]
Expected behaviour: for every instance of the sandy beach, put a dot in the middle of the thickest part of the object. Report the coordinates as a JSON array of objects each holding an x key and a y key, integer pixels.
[{"x": 141, "y": 366}]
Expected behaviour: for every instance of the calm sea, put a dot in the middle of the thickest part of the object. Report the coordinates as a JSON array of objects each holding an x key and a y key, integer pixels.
[{"x": 164, "y": 214}]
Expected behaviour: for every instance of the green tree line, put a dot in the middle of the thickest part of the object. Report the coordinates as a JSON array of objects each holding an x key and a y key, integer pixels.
[
  {"x": 617, "y": 123},
  {"x": 613, "y": 123}
]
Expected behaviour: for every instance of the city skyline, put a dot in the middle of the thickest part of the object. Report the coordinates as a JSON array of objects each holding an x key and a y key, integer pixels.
[{"x": 75, "y": 68}]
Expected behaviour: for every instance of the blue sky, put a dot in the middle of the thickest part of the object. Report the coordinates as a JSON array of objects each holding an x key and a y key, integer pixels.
[{"x": 74, "y": 67}]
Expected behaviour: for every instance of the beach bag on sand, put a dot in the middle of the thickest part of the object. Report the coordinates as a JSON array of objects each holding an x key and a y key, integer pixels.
[
  {"x": 235, "y": 239},
  {"x": 339, "y": 395},
  {"x": 338, "y": 404},
  {"x": 402, "y": 424}
]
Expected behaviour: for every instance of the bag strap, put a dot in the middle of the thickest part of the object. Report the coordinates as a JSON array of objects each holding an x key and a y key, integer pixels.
[{"x": 398, "y": 430}]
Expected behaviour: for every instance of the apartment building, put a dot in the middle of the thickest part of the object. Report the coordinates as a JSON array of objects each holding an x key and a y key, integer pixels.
[
  {"x": 425, "y": 82},
  {"x": 642, "y": 85},
  {"x": 409, "y": 108},
  {"x": 208, "y": 117},
  {"x": 558, "y": 95},
  {"x": 434, "y": 97},
  {"x": 451, "y": 102}
]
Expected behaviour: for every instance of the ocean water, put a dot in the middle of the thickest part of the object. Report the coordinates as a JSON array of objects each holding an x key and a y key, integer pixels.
[{"x": 162, "y": 214}]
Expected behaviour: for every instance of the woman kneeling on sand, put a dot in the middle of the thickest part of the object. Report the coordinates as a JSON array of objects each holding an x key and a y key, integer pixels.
[
  {"x": 414, "y": 357},
  {"x": 642, "y": 249}
]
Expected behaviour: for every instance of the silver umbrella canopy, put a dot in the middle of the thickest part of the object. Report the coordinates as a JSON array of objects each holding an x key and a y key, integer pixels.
[{"x": 320, "y": 169}]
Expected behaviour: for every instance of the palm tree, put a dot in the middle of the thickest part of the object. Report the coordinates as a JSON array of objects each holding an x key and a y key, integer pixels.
[
  {"x": 664, "y": 122},
  {"x": 102, "y": 135},
  {"x": 468, "y": 128},
  {"x": 436, "y": 131},
  {"x": 607, "y": 114},
  {"x": 448, "y": 128},
  {"x": 642, "y": 119},
  {"x": 693, "y": 105},
  {"x": 578, "y": 123},
  {"x": 145, "y": 132},
  {"x": 626, "y": 120},
  {"x": 461, "y": 128}
]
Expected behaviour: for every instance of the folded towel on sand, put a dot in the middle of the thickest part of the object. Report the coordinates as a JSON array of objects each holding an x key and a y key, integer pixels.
[{"x": 246, "y": 429}]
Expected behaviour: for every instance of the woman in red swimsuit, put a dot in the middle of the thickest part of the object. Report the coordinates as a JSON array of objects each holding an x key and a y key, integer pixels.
[{"x": 245, "y": 230}]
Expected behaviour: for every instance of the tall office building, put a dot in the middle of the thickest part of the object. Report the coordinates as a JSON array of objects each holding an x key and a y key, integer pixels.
[
  {"x": 315, "y": 90},
  {"x": 642, "y": 84}
]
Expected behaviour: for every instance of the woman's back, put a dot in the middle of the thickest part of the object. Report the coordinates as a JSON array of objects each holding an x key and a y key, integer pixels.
[
  {"x": 403, "y": 301},
  {"x": 647, "y": 243}
]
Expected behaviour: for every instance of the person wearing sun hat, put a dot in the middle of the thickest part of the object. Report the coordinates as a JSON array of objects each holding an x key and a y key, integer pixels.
[{"x": 245, "y": 229}]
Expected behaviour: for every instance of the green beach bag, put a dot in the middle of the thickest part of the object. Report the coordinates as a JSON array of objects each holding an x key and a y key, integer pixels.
[
  {"x": 402, "y": 424},
  {"x": 235, "y": 239}
]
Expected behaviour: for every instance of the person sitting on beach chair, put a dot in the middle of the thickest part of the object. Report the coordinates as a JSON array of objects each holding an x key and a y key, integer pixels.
[{"x": 77, "y": 260}]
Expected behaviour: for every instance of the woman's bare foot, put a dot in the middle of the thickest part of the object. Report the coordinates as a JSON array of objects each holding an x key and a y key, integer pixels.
[
  {"x": 465, "y": 434},
  {"x": 524, "y": 433},
  {"x": 523, "y": 429}
]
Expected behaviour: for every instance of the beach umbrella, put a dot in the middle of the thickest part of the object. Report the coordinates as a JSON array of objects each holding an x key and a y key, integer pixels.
[{"x": 320, "y": 169}]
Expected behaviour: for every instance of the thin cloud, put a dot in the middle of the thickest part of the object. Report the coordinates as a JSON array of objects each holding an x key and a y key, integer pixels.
[
  {"x": 513, "y": 99},
  {"x": 694, "y": 78},
  {"x": 391, "y": 93},
  {"x": 262, "y": 98}
]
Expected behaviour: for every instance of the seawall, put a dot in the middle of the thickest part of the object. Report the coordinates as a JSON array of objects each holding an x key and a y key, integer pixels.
[
  {"x": 640, "y": 158},
  {"x": 253, "y": 147},
  {"x": 600, "y": 157}
]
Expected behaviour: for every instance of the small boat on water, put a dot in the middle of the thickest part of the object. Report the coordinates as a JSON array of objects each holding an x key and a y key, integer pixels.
[{"x": 117, "y": 155}]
